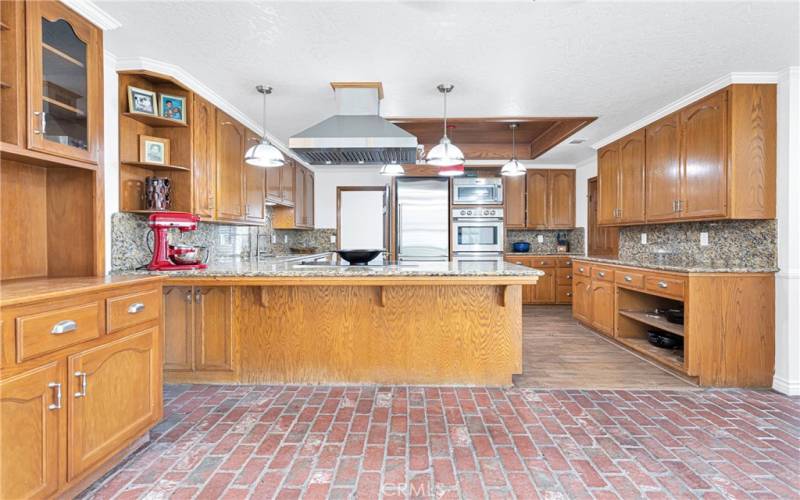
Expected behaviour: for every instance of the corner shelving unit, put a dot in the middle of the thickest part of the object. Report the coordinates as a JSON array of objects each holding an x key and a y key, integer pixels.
[{"x": 131, "y": 125}]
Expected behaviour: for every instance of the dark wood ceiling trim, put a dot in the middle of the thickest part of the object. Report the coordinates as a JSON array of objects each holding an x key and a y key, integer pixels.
[{"x": 556, "y": 134}]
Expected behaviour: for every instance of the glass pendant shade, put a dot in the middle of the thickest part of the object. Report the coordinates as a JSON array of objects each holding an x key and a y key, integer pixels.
[
  {"x": 513, "y": 168},
  {"x": 265, "y": 155},
  {"x": 392, "y": 170},
  {"x": 445, "y": 154},
  {"x": 452, "y": 171}
]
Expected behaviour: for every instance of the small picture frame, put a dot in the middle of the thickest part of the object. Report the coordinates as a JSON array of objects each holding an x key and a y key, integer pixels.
[
  {"x": 172, "y": 107},
  {"x": 142, "y": 101},
  {"x": 153, "y": 150}
]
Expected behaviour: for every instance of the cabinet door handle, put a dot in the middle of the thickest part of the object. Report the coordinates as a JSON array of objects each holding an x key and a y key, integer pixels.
[
  {"x": 189, "y": 296},
  {"x": 64, "y": 326},
  {"x": 40, "y": 115},
  {"x": 569, "y": 276},
  {"x": 569, "y": 294},
  {"x": 601, "y": 274},
  {"x": 568, "y": 262},
  {"x": 662, "y": 284},
  {"x": 81, "y": 393},
  {"x": 541, "y": 263},
  {"x": 628, "y": 279},
  {"x": 198, "y": 296},
  {"x": 580, "y": 269},
  {"x": 135, "y": 308},
  {"x": 57, "y": 404}
]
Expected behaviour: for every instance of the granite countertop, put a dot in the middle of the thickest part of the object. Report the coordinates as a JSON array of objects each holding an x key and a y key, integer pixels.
[
  {"x": 685, "y": 265},
  {"x": 290, "y": 266},
  {"x": 548, "y": 254}
]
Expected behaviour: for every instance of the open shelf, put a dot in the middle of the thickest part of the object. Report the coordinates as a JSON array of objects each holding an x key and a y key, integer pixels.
[
  {"x": 64, "y": 56},
  {"x": 651, "y": 319},
  {"x": 154, "y": 121},
  {"x": 156, "y": 167},
  {"x": 672, "y": 358}
]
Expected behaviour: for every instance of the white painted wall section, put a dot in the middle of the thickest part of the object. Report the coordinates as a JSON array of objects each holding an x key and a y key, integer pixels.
[
  {"x": 361, "y": 219},
  {"x": 110, "y": 147},
  {"x": 327, "y": 179}
]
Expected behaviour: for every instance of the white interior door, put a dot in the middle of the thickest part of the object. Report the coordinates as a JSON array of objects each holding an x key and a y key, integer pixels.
[{"x": 361, "y": 221}]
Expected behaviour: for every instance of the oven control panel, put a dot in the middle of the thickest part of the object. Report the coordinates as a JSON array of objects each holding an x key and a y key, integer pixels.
[{"x": 473, "y": 213}]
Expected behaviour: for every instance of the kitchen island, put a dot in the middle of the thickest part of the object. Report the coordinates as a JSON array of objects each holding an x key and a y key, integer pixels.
[{"x": 415, "y": 323}]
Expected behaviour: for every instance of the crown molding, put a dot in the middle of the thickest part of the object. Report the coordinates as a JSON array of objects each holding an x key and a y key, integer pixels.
[
  {"x": 198, "y": 87},
  {"x": 707, "y": 89},
  {"x": 92, "y": 12}
]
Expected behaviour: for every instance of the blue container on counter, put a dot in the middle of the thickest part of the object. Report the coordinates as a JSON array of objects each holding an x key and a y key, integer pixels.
[{"x": 521, "y": 246}]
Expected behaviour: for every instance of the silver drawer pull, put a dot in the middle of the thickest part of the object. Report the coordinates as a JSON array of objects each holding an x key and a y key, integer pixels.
[
  {"x": 518, "y": 263},
  {"x": 662, "y": 284},
  {"x": 57, "y": 404},
  {"x": 82, "y": 392},
  {"x": 601, "y": 274},
  {"x": 541, "y": 263},
  {"x": 580, "y": 269},
  {"x": 569, "y": 276},
  {"x": 135, "y": 308},
  {"x": 569, "y": 262},
  {"x": 628, "y": 279},
  {"x": 569, "y": 294},
  {"x": 64, "y": 326}
]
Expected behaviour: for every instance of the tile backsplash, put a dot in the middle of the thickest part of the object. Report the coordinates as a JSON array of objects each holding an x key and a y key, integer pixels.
[
  {"x": 549, "y": 243},
  {"x": 734, "y": 244}
]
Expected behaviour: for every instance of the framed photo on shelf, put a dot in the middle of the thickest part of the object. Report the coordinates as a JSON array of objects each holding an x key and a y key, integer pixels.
[
  {"x": 172, "y": 107},
  {"x": 142, "y": 101},
  {"x": 153, "y": 150}
]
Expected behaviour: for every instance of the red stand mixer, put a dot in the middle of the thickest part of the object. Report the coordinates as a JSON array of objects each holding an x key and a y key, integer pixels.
[{"x": 168, "y": 257}]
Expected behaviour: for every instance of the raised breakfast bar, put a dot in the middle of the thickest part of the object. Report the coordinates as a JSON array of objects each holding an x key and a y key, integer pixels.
[{"x": 279, "y": 321}]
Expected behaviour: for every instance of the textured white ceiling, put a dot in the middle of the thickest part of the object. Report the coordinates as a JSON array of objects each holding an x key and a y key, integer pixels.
[{"x": 616, "y": 60}]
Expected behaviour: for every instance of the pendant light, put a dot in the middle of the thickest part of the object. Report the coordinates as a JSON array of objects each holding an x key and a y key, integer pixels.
[
  {"x": 264, "y": 154},
  {"x": 392, "y": 170},
  {"x": 446, "y": 154},
  {"x": 513, "y": 168}
]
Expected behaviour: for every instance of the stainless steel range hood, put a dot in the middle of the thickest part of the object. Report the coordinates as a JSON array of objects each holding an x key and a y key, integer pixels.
[{"x": 356, "y": 135}]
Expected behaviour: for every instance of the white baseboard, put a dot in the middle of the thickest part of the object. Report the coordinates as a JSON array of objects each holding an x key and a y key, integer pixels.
[{"x": 788, "y": 387}]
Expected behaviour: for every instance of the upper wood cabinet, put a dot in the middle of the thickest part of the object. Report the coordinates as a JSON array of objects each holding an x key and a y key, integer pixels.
[
  {"x": 204, "y": 160},
  {"x": 273, "y": 182},
  {"x": 713, "y": 159},
  {"x": 550, "y": 199},
  {"x": 255, "y": 185},
  {"x": 32, "y": 409},
  {"x": 514, "y": 201},
  {"x": 230, "y": 168},
  {"x": 299, "y": 212},
  {"x": 537, "y": 202},
  {"x": 288, "y": 182},
  {"x": 64, "y": 67}
]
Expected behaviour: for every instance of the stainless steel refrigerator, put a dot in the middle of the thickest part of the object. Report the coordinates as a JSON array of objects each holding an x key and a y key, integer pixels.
[{"x": 423, "y": 218}]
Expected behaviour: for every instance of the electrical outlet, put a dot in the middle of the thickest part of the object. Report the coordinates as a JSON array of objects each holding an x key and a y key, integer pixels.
[
  {"x": 333, "y": 238},
  {"x": 540, "y": 238},
  {"x": 274, "y": 238},
  {"x": 644, "y": 238},
  {"x": 703, "y": 239},
  {"x": 286, "y": 238}
]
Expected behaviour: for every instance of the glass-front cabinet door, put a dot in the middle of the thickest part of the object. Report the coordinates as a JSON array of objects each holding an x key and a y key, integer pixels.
[{"x": 64, "y": 82}]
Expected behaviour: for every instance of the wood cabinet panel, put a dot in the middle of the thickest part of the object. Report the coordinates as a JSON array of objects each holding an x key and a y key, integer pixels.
[
  {"x": 582, "y": 299},
  {"x": 564, "y": 276},
  {"x": 607, "y": 183},
  {"x": 602, "y": 273},
  {"x": 299, "y": 201},
  {"x": 29, "y": 424},
  {"x": 602, "y": 306},
  {"x": 665, "y": 285},
  {"x": 561, "y": 202},
  {"x": 631, "y": 178},
  {"x": 178, "y": 328},
  {"x": 704, "y": 157},
  {"x": 255, "y": 185},
  {"x": 537, "y": 202},
  {"x": 629, "y": 278},
  {"x": 288, "y": 183},
  {"x": 564, "y": 294},
  {"x": 12, "y": 74},
  {"x": 514, "y": 201},
  {"x": 273, "y": 190},
  {"x": 230, "y": 168},
  {"x": 132, "y": 309},
  {"x": 308, "y": 199},
  {"x": 662, "y": 168},
  {"x": 212, "y": 328},
  {"x": 602, "y": 240},
  {"x": 544, "y": 291},
  {"x": 121, "y": 397},
  {"x": 54, "y": 329},
  {"x": 204, "y": 161}
]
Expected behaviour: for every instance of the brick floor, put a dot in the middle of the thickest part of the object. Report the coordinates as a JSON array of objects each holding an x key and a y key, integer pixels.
[{"x": 366, "y": 442}]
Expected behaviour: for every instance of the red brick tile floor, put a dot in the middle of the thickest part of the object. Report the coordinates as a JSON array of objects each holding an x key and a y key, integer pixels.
[{"x": 449, "y": 442}]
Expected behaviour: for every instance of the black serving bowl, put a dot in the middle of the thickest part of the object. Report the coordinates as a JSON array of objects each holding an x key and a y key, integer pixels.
[{"x": 359, "y": 256}]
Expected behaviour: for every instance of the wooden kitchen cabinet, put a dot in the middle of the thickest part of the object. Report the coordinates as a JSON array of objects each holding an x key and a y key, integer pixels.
[
  {"x": 204, "y": 161},
  {"x": 212, "y": 329},
  {"x": 114, "y": 394},
  {"x": 602, "y": 306},
  {"x": 550, "y": 288},
  {"x": 13, "y": 119},
  {"x": 621, "y": 181},
  {"x": 607, "y": 183},
  {"x": 561, "y": 199},
  {"x": 514, "y": 201},
  {"x": 537, "y": 202},
  {"x": 230, "y": 168},
  {"x": 178, "y": 328},
  {"x": 300, "y": 214},
  {"x": 543, "y": 292},
  {"x": 308, "y": 198},
  {"x": 31, "y": 415},
  {"x": 288, "y": 183},
  {"x": 255, "y": 185},
  {"x": 662, "y": 168},
  {"x": 582, "y": 299},
  {"x": 273, "y": 189}
]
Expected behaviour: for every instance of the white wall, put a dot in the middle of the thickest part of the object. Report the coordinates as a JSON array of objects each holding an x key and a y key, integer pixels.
[
  {"x": 326, "y": 180},
  {"x": 787, "y": 280},
  {"x": 110, "y": 147}
]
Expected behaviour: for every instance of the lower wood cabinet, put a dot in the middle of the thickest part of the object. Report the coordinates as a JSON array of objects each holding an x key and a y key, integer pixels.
[
  {"x": 114, "y": 393},
  {"x": 198, "y": 334},
  {"x": 582, "y": 299},
  {"x": 555, "y": 286},
  {"x": 602, "y": 306},
  {"x": 32, "y": 408}
]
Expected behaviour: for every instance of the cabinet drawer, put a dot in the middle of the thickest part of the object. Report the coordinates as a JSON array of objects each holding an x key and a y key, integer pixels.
[
  {"x": 603, "y": 273},
  {"x": 45, "y": 332},
  {"x": 132, "y": 309},
  {"x": 581, "y": 269},
  {"x": 629, "y": 278},
  {"x": 540, "y": 262},
  {"x": 665, "y": 285},
  {"x": 564, "y": 294},
  {"x": 564, "y": 277},
  {"x": 565, "y": 262},
  {"x": 520, "y": 261}
]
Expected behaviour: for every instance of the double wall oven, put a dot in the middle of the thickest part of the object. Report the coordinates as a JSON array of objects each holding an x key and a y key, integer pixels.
[{"x": 477, "y": 237}]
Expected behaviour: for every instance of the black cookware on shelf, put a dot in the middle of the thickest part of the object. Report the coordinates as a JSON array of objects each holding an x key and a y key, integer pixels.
[{"x": 664, "y": 339}]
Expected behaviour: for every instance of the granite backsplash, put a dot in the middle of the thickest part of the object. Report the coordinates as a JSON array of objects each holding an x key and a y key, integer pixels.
[
  {"x": 731, "y": 244},
  {"x": 549, "y": 244},
  {"x": 131, "y": 242}
]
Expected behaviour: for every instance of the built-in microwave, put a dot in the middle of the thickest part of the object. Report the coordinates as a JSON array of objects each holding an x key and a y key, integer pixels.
[{"x": 478, "y": 191}]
